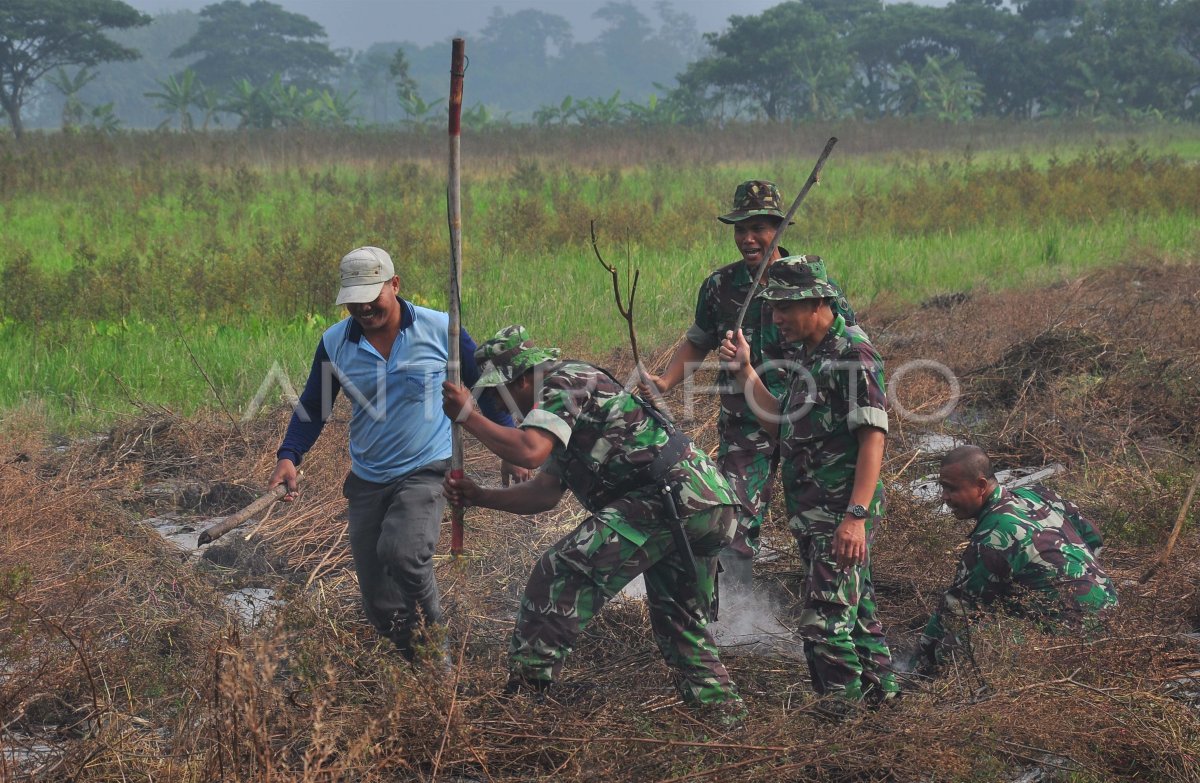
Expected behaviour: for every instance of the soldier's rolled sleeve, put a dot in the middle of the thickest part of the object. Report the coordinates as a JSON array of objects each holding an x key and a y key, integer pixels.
[
  {"x": 867, "y": 395},
  {"x": 553, "y": 467},
  {"x": 559, "y": 404},
  {"x": 871, "y": 417},
  {"x": 697, "y": 336},
  {"x": 703, "y": 331},
  {"x": 550, "y": 422}
]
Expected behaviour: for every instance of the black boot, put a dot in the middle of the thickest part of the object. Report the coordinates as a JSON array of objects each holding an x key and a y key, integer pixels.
[{"x": 401, "y": 634}]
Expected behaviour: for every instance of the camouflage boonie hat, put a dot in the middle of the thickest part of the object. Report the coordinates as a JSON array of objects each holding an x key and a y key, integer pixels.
[
  {"x": 508, "y": 355},
  {"x": 798, "y": 277},
  {"x": 753, "y": 198}
]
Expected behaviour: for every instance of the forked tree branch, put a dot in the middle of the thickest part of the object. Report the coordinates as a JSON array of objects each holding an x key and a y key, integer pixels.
[{"x": 625, "y": 308}]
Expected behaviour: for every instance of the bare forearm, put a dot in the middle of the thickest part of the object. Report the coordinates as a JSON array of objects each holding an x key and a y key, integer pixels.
[
  {"x": 532, "y": 497},
  {"x": 514, "y": 445},
  {"x": 684, "y": 362},
  {"x": 871, "y": 441}
]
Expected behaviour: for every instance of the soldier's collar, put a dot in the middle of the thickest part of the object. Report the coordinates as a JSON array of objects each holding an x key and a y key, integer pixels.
[{"x": 991, "y": 501}]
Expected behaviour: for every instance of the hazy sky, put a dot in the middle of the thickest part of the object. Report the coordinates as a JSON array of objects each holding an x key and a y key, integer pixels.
[{"x": 359, "y": 23}]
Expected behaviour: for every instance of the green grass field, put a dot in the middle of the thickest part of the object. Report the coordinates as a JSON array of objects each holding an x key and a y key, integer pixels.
[{"x": 133, "y": 269}]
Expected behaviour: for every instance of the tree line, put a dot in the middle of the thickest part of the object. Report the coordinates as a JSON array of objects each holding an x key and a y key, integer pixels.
[
  {"x": 94, "y": 63},
  {"x": 1024, "y": 58}
]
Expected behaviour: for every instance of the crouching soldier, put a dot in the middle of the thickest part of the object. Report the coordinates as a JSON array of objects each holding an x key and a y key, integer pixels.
[
  {"x": 831, "y": 426},
  {"x": 1030, "y": 551},
  {"x": 659, "y": 507}
]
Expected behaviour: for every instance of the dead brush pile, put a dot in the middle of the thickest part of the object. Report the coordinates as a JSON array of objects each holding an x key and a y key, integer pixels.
[
  {"x": 104, "y": 637},
  {"x": 116, "y": 655}
]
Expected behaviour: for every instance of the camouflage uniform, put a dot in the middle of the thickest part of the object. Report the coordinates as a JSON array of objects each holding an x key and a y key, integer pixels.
[
  {"x": 605, "y": 443},
  {"x": 832, "y": 391},
  {"x": 1035, "y": 554},
  {"x": 745, "y": 453}
]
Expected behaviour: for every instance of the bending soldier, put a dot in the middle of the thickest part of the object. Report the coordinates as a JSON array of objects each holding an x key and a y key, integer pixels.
[
  {"x": 658, "y": 506},
  {"x": 1030, "y": 551}
]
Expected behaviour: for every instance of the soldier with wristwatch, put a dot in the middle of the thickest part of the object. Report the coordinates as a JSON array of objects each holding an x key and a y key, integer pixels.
[{"x": 831, "y": 425}]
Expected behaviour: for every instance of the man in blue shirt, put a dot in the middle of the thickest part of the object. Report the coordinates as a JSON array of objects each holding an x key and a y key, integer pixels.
[{"x": 390, "y": 357}]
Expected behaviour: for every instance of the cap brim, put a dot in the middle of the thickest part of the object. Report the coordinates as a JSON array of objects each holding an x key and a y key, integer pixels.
[
  {"x": 737, "y": 217},
  {"x": 490, "y": 377},
  {"x": 359, "y": 294},
  {"x": 798, "y": 294}
]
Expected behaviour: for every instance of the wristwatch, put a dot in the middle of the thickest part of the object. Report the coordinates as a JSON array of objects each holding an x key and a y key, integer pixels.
[{"x": 858, "y": 511}]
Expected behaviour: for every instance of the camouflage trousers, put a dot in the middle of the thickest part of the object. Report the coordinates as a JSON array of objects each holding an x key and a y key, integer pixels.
[
  {"x": 844, "y": 643},
  {"x": 578, "y": 575},
  {"x": 1080, "y": 609},
  {"x": 749, "y": 473}
]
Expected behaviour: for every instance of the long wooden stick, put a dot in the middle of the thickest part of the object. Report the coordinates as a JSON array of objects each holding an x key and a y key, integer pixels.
[
  {"x": 454, "y": 215},
  {"x": 813, "y": 179},
  {"x": 1183, "y": 511},
  {"x": 230, "y": 522}
]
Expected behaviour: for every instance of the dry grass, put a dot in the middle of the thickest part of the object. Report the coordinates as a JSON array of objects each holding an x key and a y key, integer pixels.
[
  {"x": 505, "y": 149},
  {"x": 117, "y": 654}
]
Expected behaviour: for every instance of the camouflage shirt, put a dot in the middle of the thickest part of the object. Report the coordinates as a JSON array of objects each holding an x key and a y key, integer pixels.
[
  {"x": 832, "y": 392},
  {"x": 1030, "y": 544},
  {"x": 720, "y": 299},
  {"x": 605, "y": 436}
]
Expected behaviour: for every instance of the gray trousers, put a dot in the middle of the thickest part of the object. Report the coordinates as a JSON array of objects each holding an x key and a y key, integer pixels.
[{"x": 393, "y": 532}]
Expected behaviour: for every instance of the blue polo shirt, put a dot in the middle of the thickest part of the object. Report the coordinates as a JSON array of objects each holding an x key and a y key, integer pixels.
[{"x": 396, "y": 421}]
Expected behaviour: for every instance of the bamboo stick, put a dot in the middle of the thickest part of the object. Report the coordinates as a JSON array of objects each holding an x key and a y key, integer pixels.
[
  {"x": 454, "y": 216},
  {"x": 1183, "y": 512}
]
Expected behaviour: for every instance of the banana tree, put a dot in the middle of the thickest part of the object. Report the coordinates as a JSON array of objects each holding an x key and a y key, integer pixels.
[
  {"x": 74, "y": 111},
  {"x": 653, "y": 111},
  {"x": 209, "y": 102},
  {"x": 251, "y": 104},
  {"x": 598, "y": 111},
  {"x": 103, "y": 119},
  {"x": 419, "y": 112},
  {"x": 943, "y": 87},
  {"x": 177, "y": 97},
  {"x": 550, "y": 114},
  {"x": 480, "y": 117},
  {"x": 290, "y": 105},
  {"x": 334, "y": 108}
]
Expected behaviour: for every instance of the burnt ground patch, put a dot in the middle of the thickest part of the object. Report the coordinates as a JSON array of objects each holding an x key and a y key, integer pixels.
[{"x": 100, "y": 615}]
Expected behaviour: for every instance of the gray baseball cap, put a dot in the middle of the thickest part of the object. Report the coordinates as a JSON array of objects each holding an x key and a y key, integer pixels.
[{"x": 364, "y": 271}]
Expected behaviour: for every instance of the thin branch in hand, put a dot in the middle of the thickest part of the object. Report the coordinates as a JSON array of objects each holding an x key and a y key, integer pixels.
[{"x": 625, "y": 308}]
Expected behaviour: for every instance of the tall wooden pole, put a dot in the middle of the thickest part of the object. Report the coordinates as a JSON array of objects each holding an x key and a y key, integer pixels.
[{"x": 454, "y": 215}]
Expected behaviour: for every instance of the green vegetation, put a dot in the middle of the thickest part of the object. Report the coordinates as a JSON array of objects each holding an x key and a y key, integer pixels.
[
  {"x": 125, "y": 258},
  {"x": 814, "y": 59},
  {"x": 43, "y": 37},
  {"x": 257, "y": 42},
  {"x": 798, "y": 60}
]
